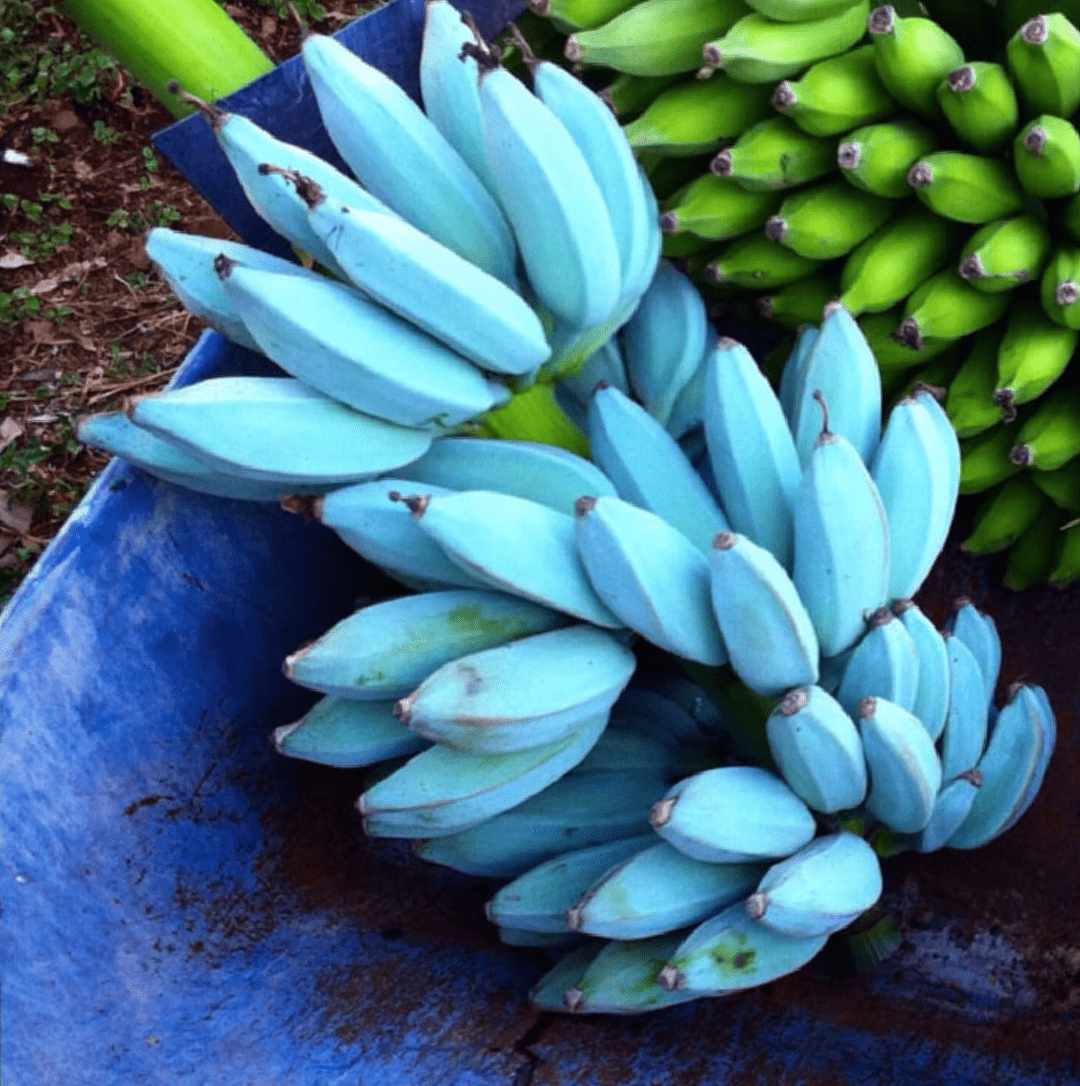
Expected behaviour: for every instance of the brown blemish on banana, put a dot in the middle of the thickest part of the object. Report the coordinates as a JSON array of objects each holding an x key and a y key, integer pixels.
[{"x": 794, "y": 701}]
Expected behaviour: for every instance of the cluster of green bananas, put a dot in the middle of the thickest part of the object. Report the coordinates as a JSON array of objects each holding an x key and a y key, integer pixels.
[
  {"x": 510, "y": 742},
  {"x": 838, "y": 152}
]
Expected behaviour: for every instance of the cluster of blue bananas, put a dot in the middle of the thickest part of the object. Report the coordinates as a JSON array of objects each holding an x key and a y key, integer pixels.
[
  {"x": 768, "y": 589},
  {"x": 835, "y": 151},
  {"x": 482, "y": 249}
]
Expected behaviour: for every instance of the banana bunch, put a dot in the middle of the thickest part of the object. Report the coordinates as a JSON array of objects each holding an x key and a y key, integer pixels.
[
  {"x": 474, "y": 255},
  {"x": 816, "y": 149},
  {"x": 703, "y": 824}
]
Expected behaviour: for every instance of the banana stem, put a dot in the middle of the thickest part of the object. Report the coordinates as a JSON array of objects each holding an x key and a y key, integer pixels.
[
  {"x": 534, "y": 415},
  {"x": 192, "y": 41}
]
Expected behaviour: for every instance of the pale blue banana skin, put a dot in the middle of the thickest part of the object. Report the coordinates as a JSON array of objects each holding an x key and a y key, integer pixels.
[
  {"x": 622, "y": 979},
  {"x": 768, "y": 632},
  {"x": 979, "y": 632},
  {"x": 912, "y": 473},
  {"x": 401, "y": 157},
  {"x": 659, "y": 890},
  {"x": 1046, "y": 743},
  {"x": 884, "y": 664},
  {"x": 734, "y": 814},
  {"x": 664, "y": 341},
  {"x": 688, "y": 410},
  {"x": 387, "y": 649},
  {"x": 964, "y": 735},
  {"x": 793, "y": 375},
  {"x": 951, "y": 808},
  {"x": 114, "y": 433},
  {"x": 539, "y": 899},
  {"x": 186, "y": 263},
  {"x": 905, "y": 770},
  {"x": 547, "y": 993},
  {"x": 384, "y": 531},
  {"x": 345, "y": 733},
  {"x": 576, "y": 811},
  {"x": 554, "y": 206},
  {"x": 429, "y": 285},
  {"x": 932, "y": 693},
  {"x": 949, "y": 445},
  {"x": 604, "y": 364},
  {"x": 732, "y": 952},
  {"x": 441, "y": 791},
  {"x": 601, "y": 140},
  {"x": 841, "y": 544},
  {"x": 754, "y": 462},
  {"x": 345, "y": 346},
  {"x": 525, "y": 469},
  {"x": 818, "y": 750},
  {"x": 651, "y": 576},
  {"x": 1018, "y": 748},
  {"x": 842, "y": 367},
  {"x": 820, "y": 889},
  {"x": 649, "y": 469},
  {"x": 450, "y": 85},
  {"x": 517, "y": 546},
  {"x": 278, "y": 430},
  {"x": 532, "y": 691}
]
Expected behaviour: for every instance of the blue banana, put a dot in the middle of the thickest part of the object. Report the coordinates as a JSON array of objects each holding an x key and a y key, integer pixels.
[
  {"x": 537, "y": 689},
  {"x": 818, "y": 751},
  {"x": 659, "y": 890},
  {"x": 734, "y": 814},
  {"x": 547, "y": 994},
  {"x": 905, "y": 770},
  {"x": 964, "y": 735},
  {"x": 753, "y": 457},
  {"x": 345, "y": 346},
  {"x": 841, "y": 366},
  {"x": 649, "y": 469},
  {"x": 818, "y": 890},
  {"x": 768, "y": 633},
  {"x": 688, "y": 410},
  {"x": 442, "y": 791},
  {"x": 401, "y": 157},
  {"x": 387, "y": 649},
  {"x": 979, "y": 632},
  {"x": 951, "y": 808},
  {"x": 793, "y": 375},
  {"x": 649, "y": 575},
  {"x": 278, "y": 430},
  {"x": 554, "y": 205},
  {"x": 578, "y": 810},
  {"x": 539, "y": 899},
  {"x": 527, "y": 469},
  {"x": 884, "y": 664},
  {"x": 1047, "y": 742},
  {"x": 731, "y": 952},
  {"x": 347, "y": 733},
  {"x": 515, "y": 545},
  {"x": 918, "y": 489},
  {"x": 841, "y": 542},
  {"x": 932, "y": 691}
]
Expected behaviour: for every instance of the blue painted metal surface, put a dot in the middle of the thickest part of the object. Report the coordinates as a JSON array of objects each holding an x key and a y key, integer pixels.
[{"x": 181, "y": 906}]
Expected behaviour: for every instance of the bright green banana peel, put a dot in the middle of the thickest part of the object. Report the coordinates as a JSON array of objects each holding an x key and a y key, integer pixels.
[
  {"x": 535, "y": 415},
  {"x": 191, "y": 41}
]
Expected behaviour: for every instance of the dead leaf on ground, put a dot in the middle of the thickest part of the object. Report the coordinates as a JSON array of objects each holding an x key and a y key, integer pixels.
[
  {"x": 15, "y": 515},
  {"x": 9, "y": 431}
]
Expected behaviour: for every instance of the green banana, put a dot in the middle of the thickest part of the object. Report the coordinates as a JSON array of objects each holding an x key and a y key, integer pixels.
[
  {"x": 912, "y": 55},
  {"x": 755, "y": 261},
  {"x": 1033, "y": 354},
  {"x": 717, "y": 208},
  {"x": 1006, "y": 253},
  {"x": 628, "y": 95},
  {"x": 699, "y": 117},
  {"x": 668, "y": 174},
  {"x": 1044, "y": 61},
  {"x": 895, "y": 260},
  {"x": 656, "y": 37},
  {"x": 1060, "y": 287},
  {"x": 967, "y": 188},
  {"x": 761, "y": 50},
  {"x": 970, "y": 401},
  {"x": 1069, "y": 217},
  {"x": 775, "y": 154},
  {"x": 799, "y": 11},
  {"x": 877, "y": 157},
  {"x": 1046, "y": 154},
  {"x": 579, "y": 14},
  {"x": 827, "y": 220},
  {"x": 1005, "y": 515},
  {"x": 836, "y": 94},
  {"x": 1067, "y": 566},
  {"x": 979, "y": 102},
  {"x": 1050, "y": 438},
  {"x": 984, "y": 460},
  {"x": 893, "y": 356},
  {"x": 947, "y": 307},
  {"x": 801, "y": 302},
  {"x": 1062, "y": 487},
  {"x": 1031, "y": 558}
]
